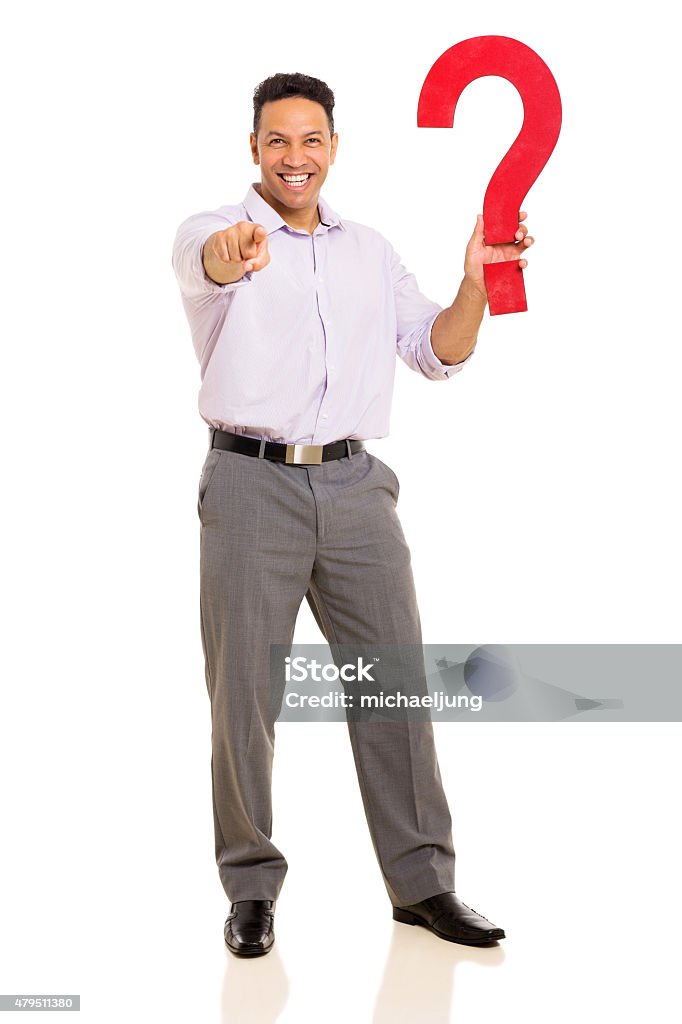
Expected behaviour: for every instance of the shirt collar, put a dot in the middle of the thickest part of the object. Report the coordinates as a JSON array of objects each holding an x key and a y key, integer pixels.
[{"x": 262, "y": 213}]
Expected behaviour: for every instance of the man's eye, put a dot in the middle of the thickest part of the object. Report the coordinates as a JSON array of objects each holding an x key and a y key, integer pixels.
[
  {"x": 313, "y": 140},
  {"x": 276, "y": 140}
]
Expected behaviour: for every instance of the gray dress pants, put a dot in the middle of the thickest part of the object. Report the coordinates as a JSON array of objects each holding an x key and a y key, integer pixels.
[{"x": 272, "y": 534}]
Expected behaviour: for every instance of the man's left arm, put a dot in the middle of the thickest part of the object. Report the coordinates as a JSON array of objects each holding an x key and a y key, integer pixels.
[{"x": 454, "y": 332}]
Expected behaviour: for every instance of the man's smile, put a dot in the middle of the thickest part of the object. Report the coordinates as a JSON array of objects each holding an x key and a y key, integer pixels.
[{"x": 295, "y": 182}]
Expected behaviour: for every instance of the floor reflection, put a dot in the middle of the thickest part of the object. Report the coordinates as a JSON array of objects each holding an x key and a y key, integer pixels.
[
  {"x": 418, "y": 982},
  {"x": 255, "y": 991},
  {"x": 419, "y": 976}
]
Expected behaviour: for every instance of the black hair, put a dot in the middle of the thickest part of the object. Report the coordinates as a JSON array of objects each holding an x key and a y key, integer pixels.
[{"x": 278, "y": 87}]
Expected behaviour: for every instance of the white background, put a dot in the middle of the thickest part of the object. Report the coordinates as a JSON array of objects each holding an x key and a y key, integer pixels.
[{"x": 539, "y": 497}]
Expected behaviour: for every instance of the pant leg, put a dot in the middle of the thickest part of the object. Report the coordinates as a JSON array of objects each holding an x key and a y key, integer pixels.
[
  {"x": 362, "y": 591},
  {"x": 257, "y": 552}
]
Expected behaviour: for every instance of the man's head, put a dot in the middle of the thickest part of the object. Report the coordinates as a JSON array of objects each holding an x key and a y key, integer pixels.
[{"x": 293, "y": 140}]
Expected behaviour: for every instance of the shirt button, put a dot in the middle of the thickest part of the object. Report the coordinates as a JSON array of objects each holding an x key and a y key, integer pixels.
[
  {"x": 321, "y": 280},
  {"x": 325, "y": 416}
]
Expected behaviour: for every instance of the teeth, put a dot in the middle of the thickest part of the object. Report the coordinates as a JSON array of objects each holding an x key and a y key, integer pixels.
[{"x": 295, "y": 179}]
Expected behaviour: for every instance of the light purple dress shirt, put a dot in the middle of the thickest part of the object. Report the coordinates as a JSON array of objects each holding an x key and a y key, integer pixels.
[{"x": 304, "y": 351}]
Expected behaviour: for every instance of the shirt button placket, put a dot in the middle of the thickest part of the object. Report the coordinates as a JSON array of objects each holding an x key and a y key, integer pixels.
[{"x": 322, "y": 308}]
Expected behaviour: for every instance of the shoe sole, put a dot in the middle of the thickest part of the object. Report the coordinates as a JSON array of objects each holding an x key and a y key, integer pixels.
[
  {"x": 405, "y": 917},
  {"x": 249, "y": 953}
]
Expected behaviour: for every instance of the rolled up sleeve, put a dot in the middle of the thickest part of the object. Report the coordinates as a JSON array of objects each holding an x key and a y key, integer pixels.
[
  {"x": 415, "y": 317},
  {"x": 435, "y": 369}
]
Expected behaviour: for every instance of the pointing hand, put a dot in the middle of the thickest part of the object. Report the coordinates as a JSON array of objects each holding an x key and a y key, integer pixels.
[{"x": 236, "y": 251}]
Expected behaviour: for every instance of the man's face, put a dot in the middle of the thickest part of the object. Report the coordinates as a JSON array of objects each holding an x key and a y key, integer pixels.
[{"x": 294, "y": 149}]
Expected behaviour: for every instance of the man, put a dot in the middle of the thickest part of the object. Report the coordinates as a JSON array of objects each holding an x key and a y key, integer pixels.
[{"x": 296, "y": 317}]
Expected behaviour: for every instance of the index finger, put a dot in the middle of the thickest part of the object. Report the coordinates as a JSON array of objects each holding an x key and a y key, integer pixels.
[{"x": 249, "y": 231}]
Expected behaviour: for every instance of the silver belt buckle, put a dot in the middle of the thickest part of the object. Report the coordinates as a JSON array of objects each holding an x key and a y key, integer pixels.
[{"x": 310, "y": 454}]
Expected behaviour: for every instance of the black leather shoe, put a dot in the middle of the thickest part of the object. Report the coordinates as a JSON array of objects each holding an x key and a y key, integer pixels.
[
  {"x": 249, "y": 928},
  {"x": 447, "y": 917}
]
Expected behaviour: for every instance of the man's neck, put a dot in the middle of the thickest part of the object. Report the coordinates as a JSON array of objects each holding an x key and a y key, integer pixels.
[{"x": 302, "y": 220}]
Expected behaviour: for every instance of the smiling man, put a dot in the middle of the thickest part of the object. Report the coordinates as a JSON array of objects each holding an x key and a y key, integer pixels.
[{"x": 297, "y": 316}]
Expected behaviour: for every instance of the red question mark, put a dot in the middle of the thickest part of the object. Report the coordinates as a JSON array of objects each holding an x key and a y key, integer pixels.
[{"x": 528, "y": 154}]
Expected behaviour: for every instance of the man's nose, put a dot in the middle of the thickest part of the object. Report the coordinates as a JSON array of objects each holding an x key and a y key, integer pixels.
[{"x": 295, "y": 157}]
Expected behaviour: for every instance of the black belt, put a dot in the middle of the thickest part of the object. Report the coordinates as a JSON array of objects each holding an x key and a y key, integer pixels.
[{"x": 295, "y": 454}]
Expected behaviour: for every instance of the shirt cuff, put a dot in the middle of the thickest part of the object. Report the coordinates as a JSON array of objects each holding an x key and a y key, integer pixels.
[{"x": 431, "y": 362}]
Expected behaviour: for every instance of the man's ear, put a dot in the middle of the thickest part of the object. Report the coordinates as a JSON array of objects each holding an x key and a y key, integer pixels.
[
  {"x": 254, "y": 148},
  {"x": 335, "y": 142}
]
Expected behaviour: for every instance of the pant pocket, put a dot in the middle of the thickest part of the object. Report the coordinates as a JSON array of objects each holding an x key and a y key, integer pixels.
[
  {"x": 207, "y": 471},
  {"x": 394, "y": 482}
]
